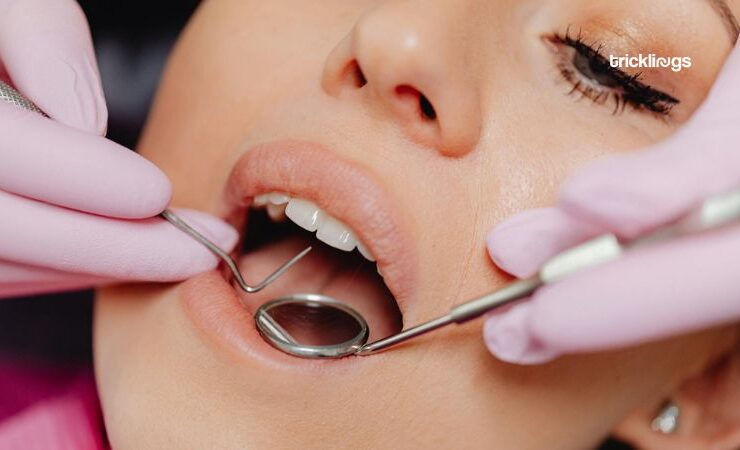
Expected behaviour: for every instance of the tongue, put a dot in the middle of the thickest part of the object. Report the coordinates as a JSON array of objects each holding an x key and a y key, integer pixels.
[{"x": 343, "y": 276}]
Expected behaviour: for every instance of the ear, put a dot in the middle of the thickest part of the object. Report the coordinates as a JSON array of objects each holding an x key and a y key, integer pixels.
[{"x": 710, "y": 413}]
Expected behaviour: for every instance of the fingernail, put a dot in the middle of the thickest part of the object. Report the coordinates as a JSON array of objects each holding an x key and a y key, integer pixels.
[{"x": 508, "y": 338}]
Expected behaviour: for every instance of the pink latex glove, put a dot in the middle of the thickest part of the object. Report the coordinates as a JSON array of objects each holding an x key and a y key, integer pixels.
[
  {"x": 67, "y": 194},
  {"x": 652, "y": 293}
]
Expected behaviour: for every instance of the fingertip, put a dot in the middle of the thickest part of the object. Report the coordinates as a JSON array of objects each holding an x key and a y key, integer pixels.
[
  {"x": 505, "y": 250},
  {"x": 154, "y": 192},
  {"x": 523, "y": 243},
  {"x": 138, "y": 189},
  {"x": 508, "y": 338},
  {"x": 176, "y": 256},
  {"x": 198, "y": 258}
]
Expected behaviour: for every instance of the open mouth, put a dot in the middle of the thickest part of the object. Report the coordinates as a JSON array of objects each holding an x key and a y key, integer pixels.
[
  {"x": 285, "y": 196},
  {"x": 340, "y": 264}
]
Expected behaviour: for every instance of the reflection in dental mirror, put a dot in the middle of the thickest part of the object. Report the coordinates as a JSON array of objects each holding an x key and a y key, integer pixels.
[{"x": 312, "y": 326}]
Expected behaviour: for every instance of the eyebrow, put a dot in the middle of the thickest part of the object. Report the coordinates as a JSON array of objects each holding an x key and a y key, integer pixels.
[{"x": 729, "y": 19}]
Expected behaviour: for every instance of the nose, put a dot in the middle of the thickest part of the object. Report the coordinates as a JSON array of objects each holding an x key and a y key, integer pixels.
[{"x": 411, "y": 66}]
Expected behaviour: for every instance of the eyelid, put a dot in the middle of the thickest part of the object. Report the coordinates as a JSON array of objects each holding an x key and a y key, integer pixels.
[{"x": 626, "y": 90}]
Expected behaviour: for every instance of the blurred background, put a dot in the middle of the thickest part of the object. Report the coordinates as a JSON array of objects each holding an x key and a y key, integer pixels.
[{"x": 132, "y": 40}]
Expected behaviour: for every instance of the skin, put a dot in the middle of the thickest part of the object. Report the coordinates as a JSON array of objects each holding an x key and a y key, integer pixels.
[{"x": 506, "y": 135}]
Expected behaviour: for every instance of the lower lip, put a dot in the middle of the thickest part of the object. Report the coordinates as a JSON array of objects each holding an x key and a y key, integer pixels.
[{"x": 213, "y": 306}]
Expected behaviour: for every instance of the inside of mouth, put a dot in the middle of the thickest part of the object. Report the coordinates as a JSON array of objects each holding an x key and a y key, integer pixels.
[{"x": 271, "y": 239}]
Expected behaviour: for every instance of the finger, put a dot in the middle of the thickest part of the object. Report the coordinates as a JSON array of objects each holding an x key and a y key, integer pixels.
[
  {"x": 724, "y": 95},
  {"x": 48, "y": 161},
  {"x": 39, "y": 234},
  {"x": 45, "y": 47},
  {"x": 19, "y": 280},
  {"x": 650, "y": 294},
  {"x": 633, "y": 194},
  {"x": 502, "y": 335},
  {"x": 523, "y": 243}
]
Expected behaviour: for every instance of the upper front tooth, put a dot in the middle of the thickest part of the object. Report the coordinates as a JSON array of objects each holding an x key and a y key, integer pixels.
[
  {"x": 336, "y": 234},
  {"x": 330, "y": 230},
  {"x": 305, "y": 214},
  {"x": 261, "y": 200},
  {"x": 278, "y": 198},
  {"x": 364, "y": 251}
]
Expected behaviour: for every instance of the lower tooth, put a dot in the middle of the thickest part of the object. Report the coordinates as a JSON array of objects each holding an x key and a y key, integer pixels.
[{"x": 276, "y": 212}]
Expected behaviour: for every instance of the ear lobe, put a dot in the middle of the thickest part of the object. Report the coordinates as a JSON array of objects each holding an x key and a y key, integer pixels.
[{"x": 709, "y": 413}]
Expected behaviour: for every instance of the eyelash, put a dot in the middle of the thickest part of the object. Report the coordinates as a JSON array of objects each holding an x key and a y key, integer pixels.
[{"x": 605, "y": 82}]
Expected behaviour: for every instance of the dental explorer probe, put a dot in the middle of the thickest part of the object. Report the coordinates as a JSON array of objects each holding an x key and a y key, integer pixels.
[
  {"x": 716, "y": 212},
  {"x": 12, "y": 96},
  {"x": 230, "y": 263}
]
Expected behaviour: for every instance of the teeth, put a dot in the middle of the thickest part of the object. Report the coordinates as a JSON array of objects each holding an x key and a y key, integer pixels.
[
  {"x": 309, "y": 216},
  {"x": 272, "y": 198},
  {"x": 364, "y": 251},
  {"x": 276, "y": 212},
  {"x": 260, "y": 200},
  {"x": 305, "y": 214},
  {"x": 336, "y": 234},
  {"x": 277, "y": 198}
]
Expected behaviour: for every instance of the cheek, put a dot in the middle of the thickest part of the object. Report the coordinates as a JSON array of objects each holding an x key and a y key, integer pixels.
[{"x": 222, "y": 80}]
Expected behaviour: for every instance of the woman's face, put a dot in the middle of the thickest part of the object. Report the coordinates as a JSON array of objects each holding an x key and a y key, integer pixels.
[{"x": 420, "y": 125}]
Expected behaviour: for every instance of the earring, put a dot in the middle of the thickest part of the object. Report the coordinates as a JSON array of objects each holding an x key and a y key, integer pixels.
[{"x": 666, "y": 421}]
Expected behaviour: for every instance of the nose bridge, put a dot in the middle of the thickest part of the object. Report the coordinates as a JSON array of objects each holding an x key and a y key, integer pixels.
[{"x": 412, "y": 56}]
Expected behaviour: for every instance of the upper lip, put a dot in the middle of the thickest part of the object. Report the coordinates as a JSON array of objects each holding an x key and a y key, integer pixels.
[{"x": 345, "y": 190}]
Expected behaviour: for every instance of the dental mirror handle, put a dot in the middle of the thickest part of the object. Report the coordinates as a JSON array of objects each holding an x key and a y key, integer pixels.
[
  {"x": 459, "y": 314},
  {"x": 716, "y": 212}
]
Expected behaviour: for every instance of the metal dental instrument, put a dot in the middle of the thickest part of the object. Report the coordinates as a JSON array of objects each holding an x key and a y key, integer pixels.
[
  {"x": 12, "y": 96},
  {"x": 716, "y": 212},
  {"x": 169, "y": 216}
]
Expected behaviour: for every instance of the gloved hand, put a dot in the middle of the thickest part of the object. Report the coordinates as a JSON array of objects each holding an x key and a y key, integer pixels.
[
  {"x": 64, "y": 189},
  {"x": 652, "y": 293}
]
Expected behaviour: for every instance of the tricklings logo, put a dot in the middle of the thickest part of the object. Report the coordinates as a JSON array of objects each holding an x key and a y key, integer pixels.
[{"x": 651, "y": 61}]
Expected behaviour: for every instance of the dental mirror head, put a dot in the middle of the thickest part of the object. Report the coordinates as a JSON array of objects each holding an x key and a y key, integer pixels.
[{"x": 312, "y": 326}]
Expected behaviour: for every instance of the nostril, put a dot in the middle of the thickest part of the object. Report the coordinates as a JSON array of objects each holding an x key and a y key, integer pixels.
[
  {"x": 427, "y": 109},
  {"x": 355, "y": 74},
  {"x": 424, "y": 106}
]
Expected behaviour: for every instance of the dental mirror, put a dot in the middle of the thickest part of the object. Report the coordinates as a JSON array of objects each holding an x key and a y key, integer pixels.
[{"x": 312, "y": 326}]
